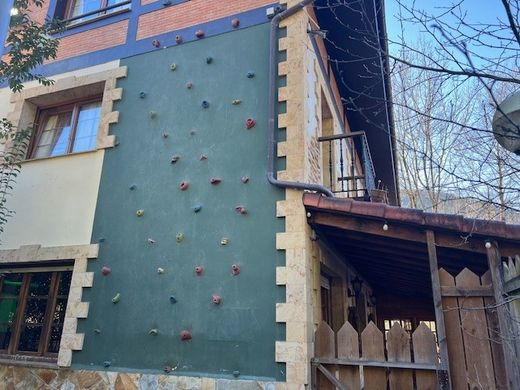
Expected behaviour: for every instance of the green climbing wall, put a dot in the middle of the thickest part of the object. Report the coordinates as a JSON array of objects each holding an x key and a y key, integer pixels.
[{"x": 237, "y": 336}]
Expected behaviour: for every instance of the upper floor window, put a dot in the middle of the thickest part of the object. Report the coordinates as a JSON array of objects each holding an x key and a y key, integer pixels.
[
  {"x": 32, "y": 311},
  {"x": 65, "y": 129},
  {"x": 84, "y": 10}
]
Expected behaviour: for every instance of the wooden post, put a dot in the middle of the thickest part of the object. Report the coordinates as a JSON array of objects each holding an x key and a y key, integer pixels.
[
  {"x": 444, "y": 374},
  {"x": 509, "y": 342}
]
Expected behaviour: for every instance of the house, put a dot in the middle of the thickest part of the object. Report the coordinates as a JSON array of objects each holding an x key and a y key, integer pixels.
[{"x": 161, "y": 238}]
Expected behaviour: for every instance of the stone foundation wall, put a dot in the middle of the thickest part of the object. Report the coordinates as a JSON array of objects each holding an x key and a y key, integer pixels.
[{"x": 29, "y": 378}]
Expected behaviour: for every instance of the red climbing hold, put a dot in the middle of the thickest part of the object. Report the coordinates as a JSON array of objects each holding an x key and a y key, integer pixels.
[
  {"x": 199, "y": 34},
  {"x": 250, "y": 123},
  {"x": 184, "y": 185},
  {"x": 156, "y": 43},
  {"x": 235, "y": 269},
  {"x": 235, "y": 23},
  {"x": 203, "y": 157},
  {"x": 105, "y": 270},
  {"x": 241, "y": 210},
  {"x": 186, "y": 335},
  {"x": 216, "y": 299},
  {"x": 199, "y": 270}
]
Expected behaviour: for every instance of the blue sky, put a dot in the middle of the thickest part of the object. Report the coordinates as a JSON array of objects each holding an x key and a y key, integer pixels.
[{"x": 483, "y": 11}]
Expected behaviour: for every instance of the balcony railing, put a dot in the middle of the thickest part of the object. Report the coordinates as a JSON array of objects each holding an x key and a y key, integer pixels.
[{"x": 350, "y": 167}]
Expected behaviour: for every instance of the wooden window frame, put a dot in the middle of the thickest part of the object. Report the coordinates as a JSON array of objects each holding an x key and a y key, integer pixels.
[
  {"x": 52, "y": 298},
  {"x": 41, "y": 120}
]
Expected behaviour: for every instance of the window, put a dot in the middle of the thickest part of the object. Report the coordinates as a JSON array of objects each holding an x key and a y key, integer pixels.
[
  {"x": 66, "y": 129},
  {"x": 32, "y": 311},
  {"x": 91, "y": 9}
]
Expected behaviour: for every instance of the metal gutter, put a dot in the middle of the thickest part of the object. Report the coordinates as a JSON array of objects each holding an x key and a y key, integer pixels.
[{"x": 273, "y": 72}]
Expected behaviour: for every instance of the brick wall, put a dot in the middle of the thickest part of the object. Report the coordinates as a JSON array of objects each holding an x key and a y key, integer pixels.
[
  {"x": 191, "y": 13},
  {"x": 92, "y": 40}
]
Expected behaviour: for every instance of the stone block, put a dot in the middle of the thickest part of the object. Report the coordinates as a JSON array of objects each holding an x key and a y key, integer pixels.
[{"x": 126, "y": 382}]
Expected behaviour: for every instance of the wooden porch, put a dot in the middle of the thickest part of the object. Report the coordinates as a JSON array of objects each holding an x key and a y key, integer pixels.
[{"x": 440, "y": 277}]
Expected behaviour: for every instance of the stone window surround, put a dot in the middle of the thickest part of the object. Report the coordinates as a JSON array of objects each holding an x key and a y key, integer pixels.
[
  {"x": 70, "y": 340},
  {"x": 27, "y": 101}
]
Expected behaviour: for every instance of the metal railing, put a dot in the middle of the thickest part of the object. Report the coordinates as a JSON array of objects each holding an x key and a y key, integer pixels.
[
  {"x": 99, "y": 12},
  {"x": 351, "y": 171}
]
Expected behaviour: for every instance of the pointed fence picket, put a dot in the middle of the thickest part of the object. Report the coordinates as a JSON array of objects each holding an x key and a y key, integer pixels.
[
  {"x": 472, "y": 331},
  {"x": 342, "y": 369}
]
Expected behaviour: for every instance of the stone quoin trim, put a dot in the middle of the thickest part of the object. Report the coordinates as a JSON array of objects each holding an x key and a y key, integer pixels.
[{"x": 70, "y": 340}]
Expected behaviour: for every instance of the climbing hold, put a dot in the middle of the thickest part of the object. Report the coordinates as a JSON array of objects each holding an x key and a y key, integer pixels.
[
  {"x": 156, "y": 43},
  {"x": 235, "y": 23},
  {"x": 189, "y": 85},
  {"x": 235, "y": 269},
  {"x": 97, "y": 331},
  {"x": 107, "y": 363},
  {"x": 236, "y": 373},
  {"x": 151, "y": 241},
  {"x": 179, "y": 237},
  {"x": 250, "y": 123},
  {"x": 186, "y": 335},
  {"x": 250, "y": 75},
  {"x": 173, "y": 299},
  {"x": 209, "y": 60},
  {"x": 165, "y": 135},
  {"x": 106, "y": 270},
  {"x": 199, "y": 34},
  {"x": 152, "y": 114},
  {"x": 173, "y": 67},
  {"x": 224, "y": 241},
  {"x": 216, "y": 299},
  {"x": 167, "y": 2},
  {"x": 175, "y": 158},
  {"x": 245, "y": 179},
  {"x": 199, "y": 270},
  {"x": 241, "y": 210},
  {"x": 236, "y": 102},
  {"x": 197, "y": 208},
  {"x": 205, "y": 104},
  {"x": 167, "y": 369},
  {"x": 184, "y": 185},
  {"x": 116, "y": 298},
  {"x": 203, "y": 157},
  {"x": 142, "y": 95},
  {"x": 215, "y": 180},
  {"x": 132, "y": 187},
  {"x": 139, "y": 213},
  {"x": 160, "y": 271},
  {"x": 178, "y": 39},
  {"x": 153, "y": 332},
  {"x": 193, "y": 132},
  {"x": 101, "y": 239}
]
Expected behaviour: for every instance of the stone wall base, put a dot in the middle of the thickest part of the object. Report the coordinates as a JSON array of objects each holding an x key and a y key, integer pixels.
[{"x": 18, "y": 377}]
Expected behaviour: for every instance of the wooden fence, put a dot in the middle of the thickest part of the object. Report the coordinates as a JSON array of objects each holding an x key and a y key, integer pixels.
[
  {"x": 475, "y": 345},
  {"x": 475, "y": 342},
  {"x": 344, "y": 368}
]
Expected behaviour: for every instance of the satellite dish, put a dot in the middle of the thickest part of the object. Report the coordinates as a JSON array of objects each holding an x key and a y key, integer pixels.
[{"x": 506, "y": 123}]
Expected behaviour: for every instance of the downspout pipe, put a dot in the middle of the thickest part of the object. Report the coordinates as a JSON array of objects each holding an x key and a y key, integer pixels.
[{"x": 273, "y": 73}]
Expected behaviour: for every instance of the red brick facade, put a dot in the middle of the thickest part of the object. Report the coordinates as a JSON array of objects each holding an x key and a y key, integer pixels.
[
  {"x": 190, "y": 13},
  {"x": 92, "y": 40}
]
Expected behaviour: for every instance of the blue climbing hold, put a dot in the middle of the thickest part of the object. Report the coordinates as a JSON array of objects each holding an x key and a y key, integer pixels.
[
  {"x": 205, "y": 104},
  {"x": 173, "y": 299}
]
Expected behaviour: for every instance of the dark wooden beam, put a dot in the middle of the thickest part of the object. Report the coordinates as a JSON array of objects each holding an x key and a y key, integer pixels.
[
  {"x": 408, "y": 233},
  {"x": 444, "y": 380}
]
